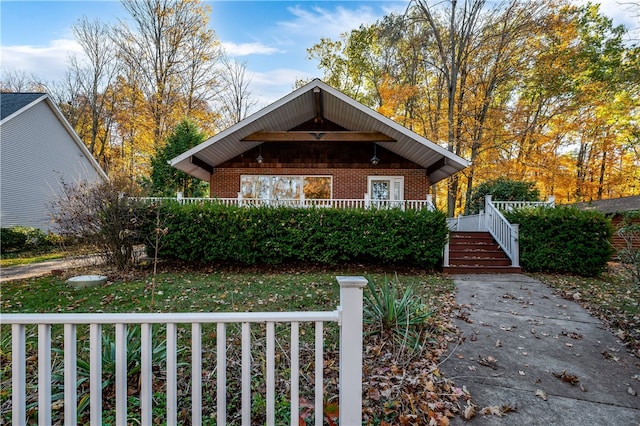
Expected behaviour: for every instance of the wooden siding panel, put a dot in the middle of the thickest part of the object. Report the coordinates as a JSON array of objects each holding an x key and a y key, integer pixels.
[{"x": 37, "y": 154}]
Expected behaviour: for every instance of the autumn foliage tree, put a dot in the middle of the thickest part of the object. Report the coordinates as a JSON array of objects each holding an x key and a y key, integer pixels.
[{"x": 539, "y": 92}]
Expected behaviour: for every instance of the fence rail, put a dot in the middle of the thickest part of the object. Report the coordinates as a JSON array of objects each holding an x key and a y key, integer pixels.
[
  {"x": 348, "y": 316},
  {"x": 506, "y": 206},
  {"x": 354, "y": 203}
]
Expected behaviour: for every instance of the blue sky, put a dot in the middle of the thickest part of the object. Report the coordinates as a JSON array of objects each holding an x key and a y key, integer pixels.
[{"x": 271, "y": 36}]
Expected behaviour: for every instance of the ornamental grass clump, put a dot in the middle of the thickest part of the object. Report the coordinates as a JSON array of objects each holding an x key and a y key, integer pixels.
[{"x": 390, "y": 310}]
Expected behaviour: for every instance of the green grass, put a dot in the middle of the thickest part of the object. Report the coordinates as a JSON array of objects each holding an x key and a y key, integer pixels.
[
  {"x": 194, "y": 292},
  {"x": 203, "y": 292},
  {"x": 612, "y": 297}
]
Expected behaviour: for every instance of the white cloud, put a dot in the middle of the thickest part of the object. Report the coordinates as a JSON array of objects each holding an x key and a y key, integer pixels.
[
  {"x": 316, "y": 22},
  {"x": 48, "y": 62},
  {"x": 267, "y": 87},
  {"x": 244, "y": 49}
]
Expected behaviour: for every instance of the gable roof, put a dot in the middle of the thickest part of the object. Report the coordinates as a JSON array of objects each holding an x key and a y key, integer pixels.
[
  {"x": 14, "y": 104},
  {"x": 11, "y": 103},
  {"x": 300, "y": 106},
  {"x": 612, "y": 205}
]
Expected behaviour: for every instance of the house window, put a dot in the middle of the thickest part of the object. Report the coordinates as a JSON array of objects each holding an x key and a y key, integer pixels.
[
  {"x": 386, "y": 188},
  {"x": 286, "y": 187}
]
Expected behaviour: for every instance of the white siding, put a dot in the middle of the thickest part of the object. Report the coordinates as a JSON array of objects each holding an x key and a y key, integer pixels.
[{"x": 36, "y": 154}]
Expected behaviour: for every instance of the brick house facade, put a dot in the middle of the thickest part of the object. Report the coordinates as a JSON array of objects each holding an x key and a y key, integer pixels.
[{"x": 317, "y": 134}]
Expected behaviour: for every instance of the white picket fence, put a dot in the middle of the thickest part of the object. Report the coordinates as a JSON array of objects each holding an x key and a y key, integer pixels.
[
  {"x": 348, "y": 315},
  {"x": 355, "y": 203}
]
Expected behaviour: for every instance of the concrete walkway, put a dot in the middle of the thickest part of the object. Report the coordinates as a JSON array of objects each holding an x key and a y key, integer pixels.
[
  {"x": 23, "y": 272},
  {"x": 544, "y": 356}
]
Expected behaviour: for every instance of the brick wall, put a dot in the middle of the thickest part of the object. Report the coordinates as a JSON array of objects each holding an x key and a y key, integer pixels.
[{"x": 347, "y": 183}]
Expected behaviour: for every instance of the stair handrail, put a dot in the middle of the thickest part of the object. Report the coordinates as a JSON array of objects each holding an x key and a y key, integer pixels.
[{"x": 505, "y": 233}]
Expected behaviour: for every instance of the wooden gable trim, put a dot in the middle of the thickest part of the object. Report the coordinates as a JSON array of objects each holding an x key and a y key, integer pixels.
[{"x": 327, "y": 136}]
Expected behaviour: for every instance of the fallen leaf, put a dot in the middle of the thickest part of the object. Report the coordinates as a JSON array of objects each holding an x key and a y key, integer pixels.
[
  {"x": 488, "y": 361},
  {"x": 469, "y": 411},
  {"x": 565, "y": 377},
  {"x": 541, "y": 394},
  {"x": 493, "y": 410}
]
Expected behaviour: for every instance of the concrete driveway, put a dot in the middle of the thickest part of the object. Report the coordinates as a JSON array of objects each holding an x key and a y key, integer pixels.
[{"x": 542, "y": 355}]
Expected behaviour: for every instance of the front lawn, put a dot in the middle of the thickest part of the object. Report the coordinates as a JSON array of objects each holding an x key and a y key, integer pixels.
[{"x": 396, "y": 378}]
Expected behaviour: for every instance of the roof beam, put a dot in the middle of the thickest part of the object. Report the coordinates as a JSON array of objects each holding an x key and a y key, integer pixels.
[
  {"x": 436, "y": 166},
  {"x": 202, "y": 164},
  {"x": 328, "y": 136}
]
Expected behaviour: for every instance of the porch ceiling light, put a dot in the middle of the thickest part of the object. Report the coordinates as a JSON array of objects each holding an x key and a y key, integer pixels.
[
  {"x": 374, "y": 160},
  {"x": 259, "y": 158}
]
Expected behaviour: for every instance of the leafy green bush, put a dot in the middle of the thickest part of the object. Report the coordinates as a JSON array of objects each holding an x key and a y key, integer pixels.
[
  {"x": 563, "y": 239},
  {"x": 21, "y": 238},
  {"x": 502, "y": 190},
  {"x": 215, "y": 233}
]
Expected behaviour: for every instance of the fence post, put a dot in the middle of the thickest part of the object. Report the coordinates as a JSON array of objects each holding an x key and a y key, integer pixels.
[
  {"x": 515, "y": 245},
  {"x": 351, "y": 289}
]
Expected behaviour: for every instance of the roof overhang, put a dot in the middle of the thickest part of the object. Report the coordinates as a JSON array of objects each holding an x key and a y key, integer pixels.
[{"x": 311, "y": 101}]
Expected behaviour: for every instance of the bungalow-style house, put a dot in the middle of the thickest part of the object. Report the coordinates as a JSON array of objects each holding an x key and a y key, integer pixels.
[
  {"x": 40, "y": 150},
  {"x": 615, "y": 208},
  {"x": 319, "y": 146}
]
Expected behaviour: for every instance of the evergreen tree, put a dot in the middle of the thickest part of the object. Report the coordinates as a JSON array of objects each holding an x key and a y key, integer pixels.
[{"x": 166, "y": 180}]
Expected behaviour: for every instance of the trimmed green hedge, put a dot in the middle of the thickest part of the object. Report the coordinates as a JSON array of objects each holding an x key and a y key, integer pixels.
[
  {"x": 216, "y": 233},
  {"x": 563, "y": 239}
]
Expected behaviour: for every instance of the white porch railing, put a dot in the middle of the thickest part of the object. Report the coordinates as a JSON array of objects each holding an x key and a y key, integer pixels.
[
  {"x": 493, "y": 221},
  {"x": 348, "y": 316},
  {"x": 353, "y": 203},
  {"x": 505, "y": 233},
  {"x": 507, "y": 206}
]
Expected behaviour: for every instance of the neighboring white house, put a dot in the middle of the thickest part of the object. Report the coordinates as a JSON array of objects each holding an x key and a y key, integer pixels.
[{"x": 38, "y": 150}]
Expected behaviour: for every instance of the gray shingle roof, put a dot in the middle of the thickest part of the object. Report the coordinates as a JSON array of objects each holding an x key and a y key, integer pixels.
[
  {"x": 12, "y": 102},
  {"x": 612, "y": 205}
]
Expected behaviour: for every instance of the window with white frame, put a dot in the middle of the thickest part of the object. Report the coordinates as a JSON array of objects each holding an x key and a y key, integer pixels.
[
  {"x": 286, "y": 187},
  {"x": 386, "y": 188}
]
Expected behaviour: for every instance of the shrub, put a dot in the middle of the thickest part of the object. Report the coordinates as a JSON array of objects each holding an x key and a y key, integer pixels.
[
  {"x": 105, "y": 215},
  {"x": 216, "y": 233},
  {"x": 503, "y": 190},
  {"x": 21, "y": 238},
  {"x": 563, "y": 239}
]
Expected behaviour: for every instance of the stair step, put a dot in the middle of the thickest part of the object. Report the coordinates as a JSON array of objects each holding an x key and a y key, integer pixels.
[
  {"x": 458, "y": 269},
  {"x": 470, "y": 253},
  {"x": 466, "y": 261},
  {"x": 477, "y": 253}
]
